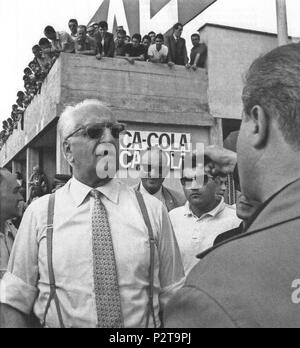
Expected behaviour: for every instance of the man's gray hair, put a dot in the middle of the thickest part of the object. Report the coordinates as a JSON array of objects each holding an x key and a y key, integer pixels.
[
  {"x": 66, "y": 121},
  {"x": 273, "y": 82}
]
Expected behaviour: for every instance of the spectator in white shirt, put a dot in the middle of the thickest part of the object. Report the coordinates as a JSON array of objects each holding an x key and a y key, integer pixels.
[
  {"x": 73, "y": 26},
  {"x": 203, "y": 218},
  {"x": 90, "y": 136},
  {"x": 61, "y": 40},
  {"x": 158, "y": 53}
]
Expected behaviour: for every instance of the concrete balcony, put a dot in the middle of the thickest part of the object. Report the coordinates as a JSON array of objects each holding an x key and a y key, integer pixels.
[{"x": 142, "y": 93}]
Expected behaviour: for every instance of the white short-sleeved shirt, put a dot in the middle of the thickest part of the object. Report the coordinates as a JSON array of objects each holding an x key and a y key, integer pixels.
[
  {"x": 26, "y": 284},
  {"x": 153, "y": 52},
  {"x": 195, "y": 235}
]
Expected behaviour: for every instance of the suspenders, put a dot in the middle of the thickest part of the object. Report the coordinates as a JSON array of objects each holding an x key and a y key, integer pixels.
[
  {"x": 53, "y": 293},
  {"x": 145, "y": 214}
]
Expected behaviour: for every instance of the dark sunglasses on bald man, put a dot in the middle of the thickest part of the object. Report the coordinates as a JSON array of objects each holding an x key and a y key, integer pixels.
[{"x": 96, "y": 130}]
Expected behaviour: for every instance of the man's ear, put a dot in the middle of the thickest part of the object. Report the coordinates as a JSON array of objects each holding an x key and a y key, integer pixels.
[
  {"x": 68, "y": 152},
  {"x": 260, "y": 126}
]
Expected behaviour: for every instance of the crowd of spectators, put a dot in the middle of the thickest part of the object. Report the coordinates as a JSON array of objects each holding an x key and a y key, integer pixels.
[{"x": 95, "y": 40}]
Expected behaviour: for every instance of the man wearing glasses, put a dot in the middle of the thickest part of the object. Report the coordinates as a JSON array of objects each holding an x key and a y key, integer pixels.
[
  {"x": 203, "y": 218},
  {"x": 101, "y": 248}
]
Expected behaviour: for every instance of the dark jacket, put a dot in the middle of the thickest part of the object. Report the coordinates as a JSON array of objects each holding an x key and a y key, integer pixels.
[
  {"x": 109, "y": 44},
  {"x": 177, "y": 50},
  {"x": 247, "y": 282},
  {"x": 224, "y": 237},
  {"x": 172, "y": 198}
]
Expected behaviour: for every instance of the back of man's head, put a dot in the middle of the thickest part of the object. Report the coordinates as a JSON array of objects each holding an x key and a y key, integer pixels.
[{"x": 273, "y": 83}]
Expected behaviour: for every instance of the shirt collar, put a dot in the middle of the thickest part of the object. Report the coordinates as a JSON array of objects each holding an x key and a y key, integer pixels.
[
  {"x": 213, "y": 213},
  {"x": 80, "y": 191}
]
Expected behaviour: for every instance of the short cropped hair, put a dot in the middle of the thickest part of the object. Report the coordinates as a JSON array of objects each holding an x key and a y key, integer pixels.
[
  {"x": 73, "y": 21},
  {"x": 122, "y": 32},
  {"x": 49, "y": 30},
  {"x": 82, "y": 27},
  {"x": 273, "y": 83},
  {"x": 137, "y": 36},
  {"x": 146, "y": 37},
  {"x": 36, "y": 47},
  {"x": 177, "y": 25},
  {"x": 196, "y": 35},
  {"x": 160, "y": 37},
  {"x": 103, "y": 25},
  {"x": 44, "y": 41}
]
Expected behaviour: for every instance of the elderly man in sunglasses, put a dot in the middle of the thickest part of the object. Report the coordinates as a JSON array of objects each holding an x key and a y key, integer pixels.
[
  {"x": 106, "y": 271},
  {"x": 203, "y": 218}
]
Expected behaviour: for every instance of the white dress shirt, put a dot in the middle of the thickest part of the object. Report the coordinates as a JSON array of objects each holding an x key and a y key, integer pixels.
[
  {"x": 195, "y": 235},
  {"x": 26, "y": 284}
]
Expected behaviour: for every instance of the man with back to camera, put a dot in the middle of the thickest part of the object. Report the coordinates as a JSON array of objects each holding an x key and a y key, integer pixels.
[
  {"x": 245, "y": 209},
  {"x": 101, "y": 244},
  {"x": 249, "y": 282},
  {"x": 154, "y": 169}
]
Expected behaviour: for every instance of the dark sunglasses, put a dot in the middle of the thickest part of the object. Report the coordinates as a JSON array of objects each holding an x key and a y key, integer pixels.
[
  {"x": 188, "y": 181},
  {"x": 95, "y": 131}
]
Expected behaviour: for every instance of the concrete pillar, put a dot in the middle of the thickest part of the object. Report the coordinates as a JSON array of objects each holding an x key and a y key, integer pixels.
[
  {"x": 216, "y": 133},
  {"x": 16, "y": 167},
  {"x": 62, "y": 166},
  {"x": 282, "y": 25},
  {"x": 33, "y": 159}
]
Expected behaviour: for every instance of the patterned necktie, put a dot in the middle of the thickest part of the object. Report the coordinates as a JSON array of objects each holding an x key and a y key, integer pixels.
[{"x": 108, "y": 301}]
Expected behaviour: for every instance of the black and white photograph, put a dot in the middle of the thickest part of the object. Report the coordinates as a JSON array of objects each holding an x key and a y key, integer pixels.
[{"x": 150, "y": 166}]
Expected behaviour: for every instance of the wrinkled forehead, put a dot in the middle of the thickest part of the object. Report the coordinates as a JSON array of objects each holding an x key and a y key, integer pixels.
[{"x": 92, "y": 114}]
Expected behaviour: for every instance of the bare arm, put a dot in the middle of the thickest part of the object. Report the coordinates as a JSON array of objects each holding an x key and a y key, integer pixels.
[
  {"x": 87, "y": 53},
  {"x": 12, "y": 318}
]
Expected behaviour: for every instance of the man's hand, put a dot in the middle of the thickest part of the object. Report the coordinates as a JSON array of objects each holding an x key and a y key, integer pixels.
[
  {"x": 130, "y": 60},
  {"x": 194, "y": 67},
  {"x": 171, "y": 64},
  {"x": 219, "y": 160},
  {"x": 99, "y": 56},
  {"x": 188, "y": 66}
]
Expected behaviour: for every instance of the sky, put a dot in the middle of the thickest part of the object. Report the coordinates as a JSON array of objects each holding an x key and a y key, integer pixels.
[{"x": 22, "y": 23}]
